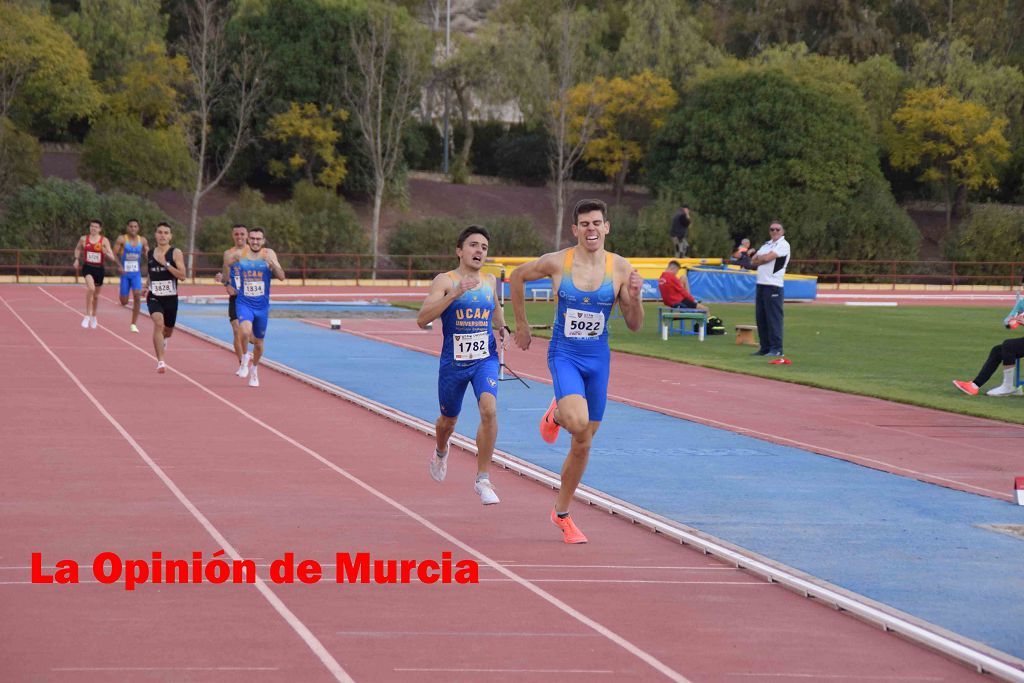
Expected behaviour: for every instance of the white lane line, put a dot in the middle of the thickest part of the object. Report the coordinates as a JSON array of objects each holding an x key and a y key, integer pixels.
[
  {"x": 166, "y": 668},
  {"x": 627, "y": 645},
  {"x": 303, "y": 632},
  {"x": 766, "y": 436},
  {"x": 841, "y": 677},
  {"x": 510, "y": 671},
  {"x": 463, "y": 634}
]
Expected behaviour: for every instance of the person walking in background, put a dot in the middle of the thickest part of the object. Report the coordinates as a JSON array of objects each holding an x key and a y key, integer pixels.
[
  {"x": 680, "y": 231},
  {"x": 771, "y": 261}
]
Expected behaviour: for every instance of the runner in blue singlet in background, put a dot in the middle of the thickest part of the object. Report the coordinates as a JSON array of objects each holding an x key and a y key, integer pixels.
[
  {"x": 132, "y": 251},
  {"x": 589, "y": 281},
  {"x": 466, "y": 302},
  {"x": 256, "y": 265}
]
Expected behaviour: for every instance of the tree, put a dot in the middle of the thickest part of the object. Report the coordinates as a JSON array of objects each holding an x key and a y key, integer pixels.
[
  {"x": 114, "y": 33},
  {"x": 753, "y": 146},
  {"x": 19, "y": 158},
  {"x": 955, "y": 143},
  {"x": 665, "y": 38},
  {"x": 309, "y": 133},
  {"x": 44, "y": 77},
  {"x": 389, "y": 63},
  {"x": 139, "y": 143},
  {"x": 217, "y": 85},
  {"x": 548, "y": 48},
  {"x": 630, "y": 110}
]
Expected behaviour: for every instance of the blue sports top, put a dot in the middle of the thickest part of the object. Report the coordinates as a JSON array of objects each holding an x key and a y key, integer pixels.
[
  {"x": 235, "y": 273},
  {"x": 581, "y": 319},
  {"x": 466, "y": 324},
  {"x": 131, "y": 253},
  {"x": 255, "y": 274}
]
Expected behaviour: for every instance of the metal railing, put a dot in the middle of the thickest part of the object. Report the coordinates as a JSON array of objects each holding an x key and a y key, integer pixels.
[
  {"x": 418, "y": 267},
  {"x": 305, "y": 267}
]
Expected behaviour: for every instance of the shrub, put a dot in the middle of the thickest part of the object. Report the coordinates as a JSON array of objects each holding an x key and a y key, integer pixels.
[
  {"x": 647, "y": 233},
  {"x": 433, "y": 239},
  {"x": 54, "y": 213},
  {"x": 314, "y": 221},
  {"x": 993, "y": 232}
]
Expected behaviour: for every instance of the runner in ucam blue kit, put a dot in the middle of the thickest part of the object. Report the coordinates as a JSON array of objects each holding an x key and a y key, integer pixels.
[
  {"x": 589, "y": 281},
  {"x": 239, "y": 234},
  {"x": 256, "y": 265},
  {"x": 466, "y": 302},
  {"x": 133, "y": 251}
]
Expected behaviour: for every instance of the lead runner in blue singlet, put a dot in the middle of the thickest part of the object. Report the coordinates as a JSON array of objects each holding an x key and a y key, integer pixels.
[
  {"x": 466, "y": 302},
  {"x": 589, "y": 281},
  {"x": 256, "y": 264}
]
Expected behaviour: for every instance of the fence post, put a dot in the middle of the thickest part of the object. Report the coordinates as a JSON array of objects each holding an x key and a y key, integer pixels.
[
  {"x": 952, "y": 278},
  {"x": 839, "y": 273},
  {"x": 17, "y": 266},
  {"x": 408, "y": 271},
  {"x": 892, "y": 274},
  {"x": 192, "y": 259},
  {"x": 359, "y": 267},
  {"x": 303, "y": 270}
]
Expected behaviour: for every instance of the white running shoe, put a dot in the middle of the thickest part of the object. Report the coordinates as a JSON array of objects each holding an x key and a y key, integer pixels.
[
  {"x": 243, "y": 369},
  {"x": 85, "y": 322},
  {"x": 1005, "y": 391},
  {"x": 135, "y": 328},
  {"x": 254, "y": 379},
  {"x": 438, "y": 466},
  {"x": 93, "y": 323},
  {"x": 485, "y": 490},
  {"x": 161, "y": 367}
]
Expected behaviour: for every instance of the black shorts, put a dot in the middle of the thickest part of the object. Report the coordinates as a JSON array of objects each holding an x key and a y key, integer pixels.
[
  {"x": 232, "y": 314},
  {"x": 168, "y": 305},
  {"x": 685, "y": 304},
  {"x": 96, "y": 272}
]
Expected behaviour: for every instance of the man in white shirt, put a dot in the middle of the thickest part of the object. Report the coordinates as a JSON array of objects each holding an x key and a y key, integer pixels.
[{"x": 771, "y": 261}]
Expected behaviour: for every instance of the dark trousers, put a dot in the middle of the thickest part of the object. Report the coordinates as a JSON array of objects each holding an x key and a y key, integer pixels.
[
  {"x": 1006, "y": 353},
  {"x": 768, "y": 311}
]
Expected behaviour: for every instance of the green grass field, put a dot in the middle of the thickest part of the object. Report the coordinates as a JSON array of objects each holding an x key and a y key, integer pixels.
[{"x": 908, "y": 354}]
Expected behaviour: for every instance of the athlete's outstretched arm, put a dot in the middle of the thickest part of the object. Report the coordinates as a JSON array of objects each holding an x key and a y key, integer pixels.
[
  {"x": 110, "y": 255},
  {"x": 275, "y": 265},
  {"x": 119, "y": 247},
  {"x": 441, "y": 294},
  {"x": 498, "y": 321},
  {"x": 631, "y": 295},
  {"x": 546, "y": 266},
  {"x": 229, "y": 260},
  {"x": 78, "y": 252}
]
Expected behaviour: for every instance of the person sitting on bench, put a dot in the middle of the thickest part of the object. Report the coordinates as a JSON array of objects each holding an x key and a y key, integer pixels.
[{"x": 674, "y": 293}]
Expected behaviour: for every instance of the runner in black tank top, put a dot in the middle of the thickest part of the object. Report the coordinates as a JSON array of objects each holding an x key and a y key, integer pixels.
[{"x": 166, "y": 267}]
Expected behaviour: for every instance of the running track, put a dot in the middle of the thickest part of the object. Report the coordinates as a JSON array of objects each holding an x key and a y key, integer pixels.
[{"x": 105, "y": 455}]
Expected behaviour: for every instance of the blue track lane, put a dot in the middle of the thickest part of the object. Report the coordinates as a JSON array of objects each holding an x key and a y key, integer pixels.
[{"x": 915, "y": 546}]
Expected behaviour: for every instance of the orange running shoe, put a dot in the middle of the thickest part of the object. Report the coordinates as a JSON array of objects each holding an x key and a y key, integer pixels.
[
  {"x": 969, "y": 388},
  {"x": 570, "y": 532},
  {"x": 548, "y": 427}
]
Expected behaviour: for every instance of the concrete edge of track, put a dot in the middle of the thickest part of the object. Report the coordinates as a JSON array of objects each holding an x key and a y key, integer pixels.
[{"x": 978, "y": 655}]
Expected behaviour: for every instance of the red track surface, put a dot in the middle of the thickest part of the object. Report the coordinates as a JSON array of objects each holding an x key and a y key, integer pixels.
[{"x": 109, "y": 456}]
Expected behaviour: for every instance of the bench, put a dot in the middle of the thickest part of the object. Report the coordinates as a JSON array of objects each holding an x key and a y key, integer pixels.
[
  {"x": 1016, "y": 376},
  {"x": 745, "y": 334},
  {"x": 673, "y": 321}
]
